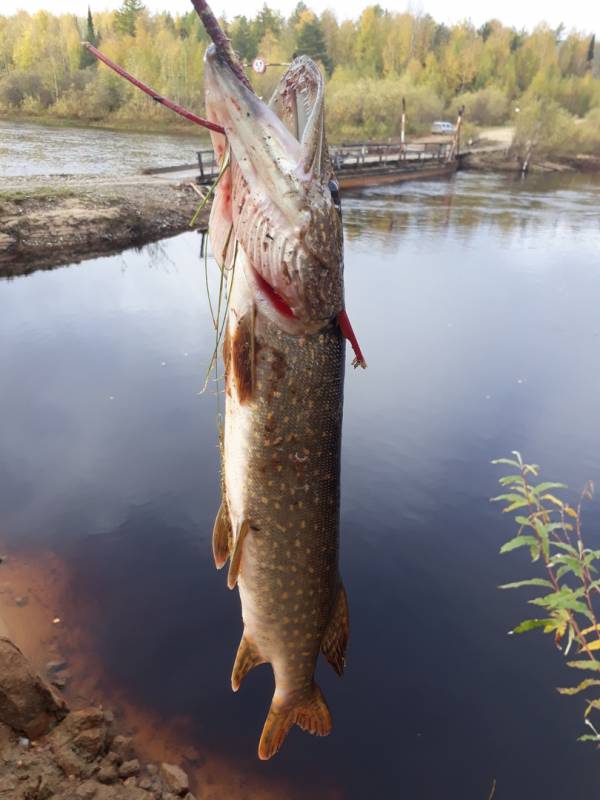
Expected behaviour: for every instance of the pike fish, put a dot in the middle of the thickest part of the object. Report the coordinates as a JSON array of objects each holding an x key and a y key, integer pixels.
[{"x": 276, "y": 226}]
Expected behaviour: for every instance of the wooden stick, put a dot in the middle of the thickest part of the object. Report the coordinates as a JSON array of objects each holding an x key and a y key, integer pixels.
[
  {"x": 183, "y": 112},
  {"x": 222, "y": 42}
]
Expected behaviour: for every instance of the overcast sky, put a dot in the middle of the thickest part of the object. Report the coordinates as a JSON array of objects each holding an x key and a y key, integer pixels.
[{"x": 583, "y": 15}]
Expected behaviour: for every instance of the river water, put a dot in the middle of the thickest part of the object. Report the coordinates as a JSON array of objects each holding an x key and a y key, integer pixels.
[
  {"x": 476, "y": 303},
  {"x": 30, "y": 149}
]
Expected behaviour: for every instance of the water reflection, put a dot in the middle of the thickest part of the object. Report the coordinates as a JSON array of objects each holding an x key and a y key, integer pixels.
[
  {"x": 506, "y": 205},
  {"x": 479, "y": 340}
]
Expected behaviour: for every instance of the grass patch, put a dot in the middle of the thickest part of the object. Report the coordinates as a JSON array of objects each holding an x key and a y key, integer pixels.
[{"x": 38, "y": 193}]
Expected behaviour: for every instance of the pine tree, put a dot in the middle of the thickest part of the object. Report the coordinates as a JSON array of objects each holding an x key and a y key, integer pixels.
[
  {"x": 311, "y": 42},
  {"x": 591, "y": 51},
  {"x": 243, "y": 38},
  {"x": 126, "y": 16},
  {"x": 86, "y": 59}
]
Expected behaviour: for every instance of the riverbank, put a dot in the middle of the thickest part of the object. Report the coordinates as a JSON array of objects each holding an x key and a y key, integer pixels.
[
  {"x": 67, "y": 732},
  {"x": 56, "y": 741},
  {"x": 53, "y": 220},
  {"x": 484, "y": 160}
]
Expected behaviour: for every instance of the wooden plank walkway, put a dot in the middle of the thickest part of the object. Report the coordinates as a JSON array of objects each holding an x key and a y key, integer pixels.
[{"x": 355, "y": 165}]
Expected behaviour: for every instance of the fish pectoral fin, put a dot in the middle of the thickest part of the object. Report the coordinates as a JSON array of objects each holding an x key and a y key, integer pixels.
[
  {"x": 236, "y": 555},
  {"x": 310, "y": 713},
  {"x": 336, "y": 635},
  {"x": 247, "y": 657},
  {"x": 221, "y": 536}
]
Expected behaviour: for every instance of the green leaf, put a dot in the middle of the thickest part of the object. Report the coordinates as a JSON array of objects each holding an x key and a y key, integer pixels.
[
  {"x": 570, "y": 564},
  {"x": 564, "y": 599},
  {"x": 558, "y": 526},
  {"x": 517, "y": 504},
  {"x": 508, "y": 479},
  {"x": 508, "y": 461},
  {"x": 588, "y": 738},
  {"x": 524, "y": 521},
  {"x": 530, "y": 582},
  {"x": 581, "y": 687},
  {"x": 530, "y": 625},
  {"x": 591, "y": 665},
  {"x": 518, "y": 541},
  {"x": 509, "y": 498},
  {"x": 543, "y": 487},
  {"x": 568, "y": 548}
]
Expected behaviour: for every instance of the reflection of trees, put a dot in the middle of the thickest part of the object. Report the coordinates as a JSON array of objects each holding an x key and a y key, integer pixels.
[{"x": 503, "y": 204}]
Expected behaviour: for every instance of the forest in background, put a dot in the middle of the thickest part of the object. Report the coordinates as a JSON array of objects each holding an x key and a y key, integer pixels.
[{"x": 551, "y": 75}]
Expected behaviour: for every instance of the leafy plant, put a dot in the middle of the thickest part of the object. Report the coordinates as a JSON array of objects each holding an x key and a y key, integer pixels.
[{"x": 551, "y": 530}]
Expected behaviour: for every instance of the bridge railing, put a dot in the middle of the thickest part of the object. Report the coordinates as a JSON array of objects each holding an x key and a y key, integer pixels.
[
  {"x": 352, "y": 155},
  {"x": 349, "y": 156}
]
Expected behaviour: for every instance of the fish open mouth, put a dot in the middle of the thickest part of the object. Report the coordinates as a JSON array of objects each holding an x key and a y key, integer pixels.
[{"x": 283, "y": 211}]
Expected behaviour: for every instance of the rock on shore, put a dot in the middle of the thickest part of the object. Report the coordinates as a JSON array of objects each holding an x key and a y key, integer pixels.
[{"x": 49, "y": 753}]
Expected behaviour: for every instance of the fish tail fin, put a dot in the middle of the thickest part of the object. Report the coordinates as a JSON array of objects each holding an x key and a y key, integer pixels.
[{"x": 309, "y": 712}]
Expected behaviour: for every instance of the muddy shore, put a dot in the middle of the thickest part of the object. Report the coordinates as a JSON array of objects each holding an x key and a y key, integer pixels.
[{"x": 50, "y": 221}]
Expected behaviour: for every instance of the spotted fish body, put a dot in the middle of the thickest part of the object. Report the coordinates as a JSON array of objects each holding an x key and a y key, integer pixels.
[{"x": 284, "y": 363}]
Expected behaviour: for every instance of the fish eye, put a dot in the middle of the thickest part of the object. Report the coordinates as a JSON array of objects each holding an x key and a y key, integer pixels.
[{"x": 335, "y": 193}]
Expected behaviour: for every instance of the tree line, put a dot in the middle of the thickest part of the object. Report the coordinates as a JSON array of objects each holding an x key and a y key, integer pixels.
[{"x": 370, "y": 64}]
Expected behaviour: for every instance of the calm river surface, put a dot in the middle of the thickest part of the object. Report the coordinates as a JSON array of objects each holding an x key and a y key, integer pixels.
[
  {"x": 29, "y": 149},
  {"x": 476, "y": 302}
]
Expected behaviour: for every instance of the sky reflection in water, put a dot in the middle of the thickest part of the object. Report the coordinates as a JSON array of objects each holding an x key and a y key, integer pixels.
[{"x": 476, "y": 304}]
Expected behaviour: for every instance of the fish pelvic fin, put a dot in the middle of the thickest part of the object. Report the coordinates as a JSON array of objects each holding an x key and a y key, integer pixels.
[
  {"x": 309, "y": 712},
  {"x": 236, "y": 555},
  {"x": 242, "y": 355},
  {"x": 221, "y": 537},
  {"x": 335, "y": 639},
  {"x": 247, "y": 657}
]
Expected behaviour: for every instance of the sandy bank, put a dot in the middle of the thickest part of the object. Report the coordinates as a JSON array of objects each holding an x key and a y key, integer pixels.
[{"x": 50, "y": 221}]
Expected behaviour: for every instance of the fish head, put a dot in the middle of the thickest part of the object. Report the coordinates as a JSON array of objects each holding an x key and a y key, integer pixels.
[{"x": 285, "y": 205}]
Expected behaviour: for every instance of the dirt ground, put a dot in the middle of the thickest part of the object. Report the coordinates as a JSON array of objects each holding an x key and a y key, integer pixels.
[{"x": 50, "y": 221}]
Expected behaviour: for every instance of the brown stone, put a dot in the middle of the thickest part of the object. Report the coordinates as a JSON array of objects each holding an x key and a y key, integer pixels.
[
  {"x": 28, "y": 704},
  {"x": 87, "y": 790},
  {"x": 129, "y": 768},
  {"x": 107, "y": 774},
  {"x": 175, "y": 779},
  {"x": 84, "y": 733},
  {"x": 123, "y": 747}
]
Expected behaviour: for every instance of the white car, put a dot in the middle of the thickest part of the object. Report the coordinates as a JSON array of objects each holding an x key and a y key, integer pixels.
[{"x": 442, "y": 127}]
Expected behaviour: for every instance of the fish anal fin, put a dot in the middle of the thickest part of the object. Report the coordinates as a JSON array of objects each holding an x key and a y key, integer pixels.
[
  {"x": 309, "y": 712},
  {"x": 221, "y": 536},
  {"x": 335, "y": 639},
  {"x": 247, "y": 657},
  {"x": 236, "y": 555}
]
